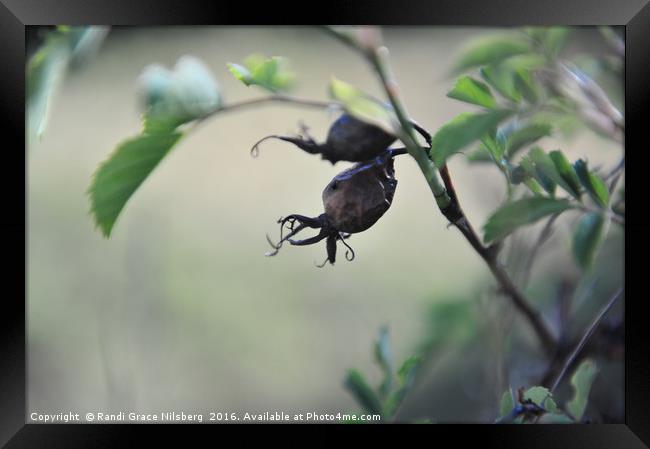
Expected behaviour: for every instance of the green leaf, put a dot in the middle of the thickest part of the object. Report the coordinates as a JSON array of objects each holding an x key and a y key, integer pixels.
[
  {"x": 406, "y": 376},
  {"x": 181, "y": 95},
  {"x": 490, "y": 50},
  {"x": 501, "y": 79},
  {"x": 406, "y": 372},
  {"x": 540, "y": 166},
  {"x": 555, "y": 39},
  {"x": 536, "y": 394},
  {"x": 463, "y": 130},
  {"x": 550, "y": 405},
  {"x": 268, "y": 73},
  {"x": 362, "y": 106},
  {"x": 582, "y": 381},
  {"x": 45, "y": 72},
  {"x": 518, "y": 213},
  {"x": 526, "y": 86},
  {"x": 542, "y": 397},
  {"x": 472, "y": 91},
  {"x": 547, "y": 183},
  {"x": 241, "y": 73},
  {"x": 528, "y": 174},
  {"x": 555, "y": 418},
  {"x": 593, "y": 184},
  {"x": 566, "y": 172},
  {"x": 524, "y": 62},
  {"x": 384, "y": 359},
  {"x": 365, "y": 396},
  {"x": 512, "y": 77},
  {"x": 506, "y": 404},
  {"x": 587, "y": 237},
  {"x": 550, "y": 168},
  {"x": 158, "y": 124},
  {"x": 119, "y": 177},
  {"x": 494, "y": 147},
  {"x": 526, "y": 135},
  {"x": 264, "y": 71},
  {"x": 533, "y": 186}
]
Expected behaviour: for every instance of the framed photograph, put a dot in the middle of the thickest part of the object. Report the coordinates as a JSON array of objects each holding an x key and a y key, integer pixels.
[{"x": 412, "y": 215}]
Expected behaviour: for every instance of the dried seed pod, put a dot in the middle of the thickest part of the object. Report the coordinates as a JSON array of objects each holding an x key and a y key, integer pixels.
[
  {"x": 354, "y": 200},
  {"x": 348, "y": 139},
  {"x": 357, "y": 197}
]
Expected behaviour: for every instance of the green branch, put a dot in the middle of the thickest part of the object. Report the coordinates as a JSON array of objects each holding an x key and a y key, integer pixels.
[{"x": 445, "y": 195}]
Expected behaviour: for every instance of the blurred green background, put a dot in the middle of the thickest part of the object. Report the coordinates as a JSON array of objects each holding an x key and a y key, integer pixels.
[{"x": 180, "y": 310}]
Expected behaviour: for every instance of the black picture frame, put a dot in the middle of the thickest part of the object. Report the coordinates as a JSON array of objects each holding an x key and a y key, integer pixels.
[{"x": 15, "y": 15}]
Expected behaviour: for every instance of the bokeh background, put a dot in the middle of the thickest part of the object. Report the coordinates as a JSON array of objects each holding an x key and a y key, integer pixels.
[{"x": 179, "y": 310}]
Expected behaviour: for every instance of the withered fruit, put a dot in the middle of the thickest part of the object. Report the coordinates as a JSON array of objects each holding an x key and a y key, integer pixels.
[
  {"x": 348, "y": 139},
  {"x": 353, "y": 201}
]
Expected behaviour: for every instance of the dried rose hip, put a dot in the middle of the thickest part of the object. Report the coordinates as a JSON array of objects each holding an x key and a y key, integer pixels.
[
  {"x": 354, "y": 200},
  {"x": 348, "y": 139}
]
